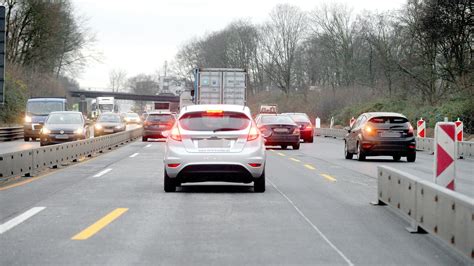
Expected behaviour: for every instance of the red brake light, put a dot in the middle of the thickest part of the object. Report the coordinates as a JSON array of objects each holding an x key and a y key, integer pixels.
[
  {"x": 173, "y": 165},
  {"x": 214, "y": 112},
  {"x": 253, "y": 133},
  {"x": 255, "y": 164},
  {"x": 309, "y": 126},
  {"x": 175, "y": 133}
]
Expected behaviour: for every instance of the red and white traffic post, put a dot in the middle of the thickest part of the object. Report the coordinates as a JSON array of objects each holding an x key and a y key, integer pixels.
[
  {"x": 352, "y": 121},
  {"x": 421, "y": 128},
  {"x": 445, "y": 152},
  {"x": 459, "y": 130}
]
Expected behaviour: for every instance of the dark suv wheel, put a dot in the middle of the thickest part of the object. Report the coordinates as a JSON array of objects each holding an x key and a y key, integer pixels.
[{"x": 411, "y": 157}]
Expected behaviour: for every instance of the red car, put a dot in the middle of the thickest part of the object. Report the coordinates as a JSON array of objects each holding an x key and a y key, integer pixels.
[{"x": 306, "y": 127}]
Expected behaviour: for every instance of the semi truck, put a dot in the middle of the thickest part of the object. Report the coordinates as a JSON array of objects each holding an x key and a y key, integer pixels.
[
  {"x": 103, "y": 104},
  {"x": 220, "y": 86},
  {"x": 37, "y": 110}
]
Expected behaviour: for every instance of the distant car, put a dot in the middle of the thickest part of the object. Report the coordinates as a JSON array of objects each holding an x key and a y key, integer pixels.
[
  {"x": 377, "y": 133},
  {"x": 279, "y": 130},
  {"x": 156, "y": 123},
  {"x": 109, "y": 123},
  {"x": 132, "y": 118},
  {"x": 214, "y": 143},
  {"x": 306, "y": 127},
  {"x": 37, "y": 110},
  {"x": 64, "y": 126}
]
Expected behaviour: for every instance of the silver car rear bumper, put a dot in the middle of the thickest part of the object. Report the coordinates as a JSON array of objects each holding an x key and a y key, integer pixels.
[{"x": 219, "y": 166}]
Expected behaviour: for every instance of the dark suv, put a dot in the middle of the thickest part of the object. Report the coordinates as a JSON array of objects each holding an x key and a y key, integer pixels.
[
  {"x": 375, "y": 134},
  {"x": 156, "y": 123}
]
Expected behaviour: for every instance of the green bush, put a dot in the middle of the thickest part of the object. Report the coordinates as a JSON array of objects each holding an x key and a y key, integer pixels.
[{"x": 15, "y": 101}]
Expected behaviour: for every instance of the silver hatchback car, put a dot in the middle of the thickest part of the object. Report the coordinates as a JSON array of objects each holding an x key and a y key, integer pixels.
[{"x": 214, "y": 143}]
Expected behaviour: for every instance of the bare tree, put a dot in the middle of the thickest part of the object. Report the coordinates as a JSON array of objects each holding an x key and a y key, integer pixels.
[
  {"x": 117, "y": 79},
  {"x": 280, "y": 38}
]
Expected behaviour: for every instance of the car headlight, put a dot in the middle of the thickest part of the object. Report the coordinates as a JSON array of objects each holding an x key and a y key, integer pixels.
[
  {"x": 79, "y": 131},
  {"x": 98, "y": 126},
  {"x": 27, "y": 119},
  {"x": 45, "y": 131}
]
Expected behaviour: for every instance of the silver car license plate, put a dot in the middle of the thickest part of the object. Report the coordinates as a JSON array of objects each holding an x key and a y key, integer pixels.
[
  {"x": 62, "y": 136},
  {"x": 221, "y": 143}
]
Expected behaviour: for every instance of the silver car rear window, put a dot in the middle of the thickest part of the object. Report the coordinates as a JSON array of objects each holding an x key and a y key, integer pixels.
[{"x": 204, "y": 121}]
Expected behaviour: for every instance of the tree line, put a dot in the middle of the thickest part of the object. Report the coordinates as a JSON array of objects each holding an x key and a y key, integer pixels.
[
  {"x": 45, "y": 46},
  {"x": 424, "y": 50}
]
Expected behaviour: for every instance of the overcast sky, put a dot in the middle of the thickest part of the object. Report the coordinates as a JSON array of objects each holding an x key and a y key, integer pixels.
[{"x": 138, "y": 36}]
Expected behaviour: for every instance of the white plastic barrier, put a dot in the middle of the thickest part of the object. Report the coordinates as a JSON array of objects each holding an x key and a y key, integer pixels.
[{"x": 441, "y": 212}]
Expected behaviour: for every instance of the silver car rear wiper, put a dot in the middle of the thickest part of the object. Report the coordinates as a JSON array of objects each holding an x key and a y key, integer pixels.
[{"x": 225, "y": 129}]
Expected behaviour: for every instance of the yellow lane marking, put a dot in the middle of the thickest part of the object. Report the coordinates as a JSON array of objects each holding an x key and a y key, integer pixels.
[
  {"x": 97, "y": 226},
  {"x": 296, "y": 160},
  {"x": 328, "y": 177},
  {"x": 309, "y": 166},
  {"x": 281, "y": 154},
  {"x": 20, "y": 183}
]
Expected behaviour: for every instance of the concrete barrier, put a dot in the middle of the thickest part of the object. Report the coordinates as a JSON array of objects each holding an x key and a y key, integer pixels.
[
  {"x": 30, "y": 162},
  {"x": 446, "y": 214},
  {"x": 330, "y": 132},
  {"x": 425, "y": 144}
]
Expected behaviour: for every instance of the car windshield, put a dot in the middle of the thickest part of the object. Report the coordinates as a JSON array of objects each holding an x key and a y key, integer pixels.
[
  {"x": 44, "y": 107},
  {"x": 299, "y": 117},
  {"x": 109, "y": 118},
  {"x": 64, "y": 119},
  {"x": 223, "y": 121},
  {"x": 277, "y": 119},
  {"x": 164, "y": 118}
]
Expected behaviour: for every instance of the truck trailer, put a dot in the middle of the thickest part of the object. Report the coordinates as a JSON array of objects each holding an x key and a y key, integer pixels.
[{"x": 220, "y": 86}]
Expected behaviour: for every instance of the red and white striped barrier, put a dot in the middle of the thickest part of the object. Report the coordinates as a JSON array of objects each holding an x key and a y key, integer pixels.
[
  {"x": 421, "y": 128},
  {"x": 445, "y": 154},
  {"x": 459, "y": 130}
]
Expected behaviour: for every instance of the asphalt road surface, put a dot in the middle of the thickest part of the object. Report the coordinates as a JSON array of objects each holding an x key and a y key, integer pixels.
[{"x": 112, "y": 210}]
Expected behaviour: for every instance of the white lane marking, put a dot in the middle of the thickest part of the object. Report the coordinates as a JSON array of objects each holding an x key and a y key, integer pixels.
[
  {"x": 148, "y": 146},
  {"x": 19, "y": 219},
  {"x": 103, "y": 172},
  {"x": 312, "y": 225},
  {"x": 133, "y": 155}
]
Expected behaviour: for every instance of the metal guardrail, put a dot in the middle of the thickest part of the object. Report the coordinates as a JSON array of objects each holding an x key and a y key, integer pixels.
[
  {"x": 441, "y": 212},
  {"x": 11, "y": 133},
  {"x": 30, "y": 162},
  {"x": 465, "y": 148}
]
